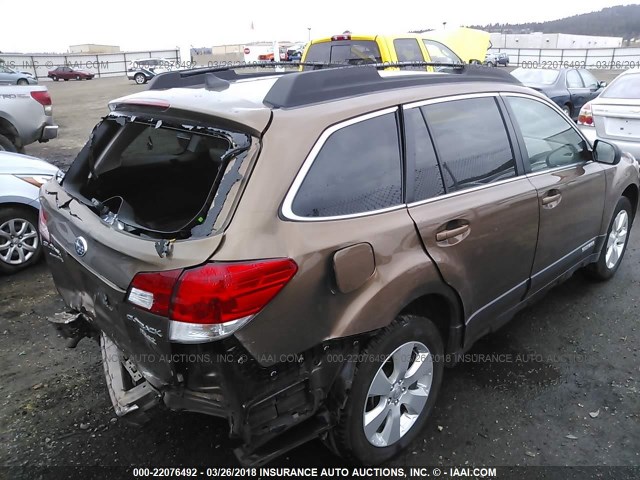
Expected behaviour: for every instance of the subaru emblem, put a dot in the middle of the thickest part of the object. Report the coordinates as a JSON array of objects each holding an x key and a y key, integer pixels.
[{"x": 81, "y": 246}]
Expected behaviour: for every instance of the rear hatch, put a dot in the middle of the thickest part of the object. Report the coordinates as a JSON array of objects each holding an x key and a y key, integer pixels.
[
  {"x": 616, "y": 112},
  {"x": 152, "y": 191}
]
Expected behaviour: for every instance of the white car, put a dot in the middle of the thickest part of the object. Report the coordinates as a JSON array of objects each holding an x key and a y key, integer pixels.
[
  {"x": 614, "y": 116},
  {"x": 20, "y": 179},
  {"x": 144, "y": 69}
]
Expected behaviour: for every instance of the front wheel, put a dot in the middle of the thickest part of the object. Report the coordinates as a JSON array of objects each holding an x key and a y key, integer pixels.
[
  {"x": 19, "y": 240},
  {"x": 394, "y": 389},
  {"x": 615, "y": 243},
  {"x": 23, "y": 81}
]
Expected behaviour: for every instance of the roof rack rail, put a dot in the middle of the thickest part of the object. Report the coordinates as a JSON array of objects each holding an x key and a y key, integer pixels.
[
  {"x": 197, "y": 76},
  {"x": 310, "y": 87}
]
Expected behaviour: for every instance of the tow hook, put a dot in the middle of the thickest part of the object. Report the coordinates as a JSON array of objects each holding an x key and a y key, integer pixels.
[{"x": 72, "y": 326}]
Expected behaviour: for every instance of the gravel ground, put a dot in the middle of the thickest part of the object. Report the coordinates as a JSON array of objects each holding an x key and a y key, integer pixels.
[{"x": 559, "y": 385}]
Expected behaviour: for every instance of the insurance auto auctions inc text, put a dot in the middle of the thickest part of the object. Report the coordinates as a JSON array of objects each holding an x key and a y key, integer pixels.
[{"x": 377, "y": 472}]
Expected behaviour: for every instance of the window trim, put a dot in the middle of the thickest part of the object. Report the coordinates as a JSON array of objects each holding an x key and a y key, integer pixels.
[
  {"x": 520, "y": 139},
  {"x": 287, "y": 205},
  {"x": 566, "y": 79}
]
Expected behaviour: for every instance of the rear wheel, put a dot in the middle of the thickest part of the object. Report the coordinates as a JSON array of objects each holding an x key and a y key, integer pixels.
[
  {"x": 566, "y": 108},
  {"x": 615, "y": 243},
  {"x": 394, "y": 389},
  {"x": 54, "y": 78},
  {"x": 7, "y": 145},
  {"x": 23, "y": 81},
  {"x": 140, "y": 78},
  {"x": 19, "y": 240},
  {"x": 78, "y": 77}
]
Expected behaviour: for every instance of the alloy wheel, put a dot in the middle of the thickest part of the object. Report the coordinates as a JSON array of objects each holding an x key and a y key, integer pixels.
[
  {"x": 398, "y": 394},
  {"x": 18, "y": 241},
  {"x": 617, "y": 239}
]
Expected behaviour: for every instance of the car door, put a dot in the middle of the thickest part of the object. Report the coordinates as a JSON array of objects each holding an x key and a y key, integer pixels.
[
  {"x": 476, "y": 214},
  {"x": 577, "y": 91},
  {"x": 570, "y": 185},
  {"x": 591, "y": 84},
  {"x": 5, "y": 76}
]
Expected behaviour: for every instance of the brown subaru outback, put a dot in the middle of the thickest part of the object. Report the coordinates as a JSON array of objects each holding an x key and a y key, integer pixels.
[{"x": 302, "y": 253}]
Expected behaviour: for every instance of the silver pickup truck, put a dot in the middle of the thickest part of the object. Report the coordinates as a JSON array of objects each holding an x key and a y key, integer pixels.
[{"x": 25, "y": 117}]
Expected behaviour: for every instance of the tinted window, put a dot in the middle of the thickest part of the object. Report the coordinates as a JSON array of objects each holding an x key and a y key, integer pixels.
[
  {"x": 472, "y": 143},
  {"x": 588, "y": 79},
  {"x": 549, "y": 139},
  {"x": 420, "y": 153},
  {"x": 408, "y": 50},
  {"x": 574, "y": 80},
  {"x": 357, "y": 170},
  {"x": 624, "y": 86},
  {"x": 528, "y": 75},
  {"x": 352, "y": 52},
  {"x": 440, "y": 53}
]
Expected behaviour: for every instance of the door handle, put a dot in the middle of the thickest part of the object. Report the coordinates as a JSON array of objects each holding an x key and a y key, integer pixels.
[
  {"x": 551, "y": 198},
  {"x": 454, "y": 232}
]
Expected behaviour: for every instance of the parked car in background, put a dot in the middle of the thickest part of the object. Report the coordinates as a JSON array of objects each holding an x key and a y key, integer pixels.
[
  {"x": 495, "y": 59},
  {"x": 9, "y": 76},
  {"x": 21, "y": 177},
  {"x": 615, "y": 115},
  {"x": 317, "y": 290},
  {"x": 26, "y": 116},
  {"x": 144, "y": 69},
  {"x": 352, "y": 49},
  {"x": 569, "y": 88},
  {"x": 68, "y": 73},
  {"x": 294, "y": 52}
]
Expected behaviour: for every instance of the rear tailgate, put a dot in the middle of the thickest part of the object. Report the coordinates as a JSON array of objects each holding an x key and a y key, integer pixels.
[
  {"x": 617, "y": 120},
  {"x": 93, "y": 265}
]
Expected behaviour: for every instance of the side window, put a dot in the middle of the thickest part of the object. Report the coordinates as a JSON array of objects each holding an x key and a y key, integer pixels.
[
  {"x": 471, "y": 141},
  {"x": 440, "y": 53},
  {"x": 408, "y": 50},
  {"x": 549, "y": 139},
  {"x": 420, "y": 153},
  {"x": 588, "y": 79},
  {"x": 574, "y": 80},
  {"x": 357, "y": 170}
]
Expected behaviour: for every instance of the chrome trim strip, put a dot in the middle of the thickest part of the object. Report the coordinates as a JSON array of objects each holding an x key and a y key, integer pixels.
[
  {"x": 581, "y": 249},
  {"x": 556, "y": 169},
  {"x": 449, "y": 98},
  {"x": 287, "y": 205},
  {"x": 466, "y": 190}
]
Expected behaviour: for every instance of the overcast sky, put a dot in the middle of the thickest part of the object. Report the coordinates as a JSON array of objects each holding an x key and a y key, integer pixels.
[{"x": 51, "y": 26}]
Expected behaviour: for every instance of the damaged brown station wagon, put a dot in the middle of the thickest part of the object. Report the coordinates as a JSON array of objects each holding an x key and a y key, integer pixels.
[{"x": 302, "y": 253}]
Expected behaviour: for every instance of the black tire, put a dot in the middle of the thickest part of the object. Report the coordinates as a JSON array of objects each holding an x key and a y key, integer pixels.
[
  {"x": 66, "y": 79},
  {"x": 78, "y": 77},
  {"x": 7, "y": 145},
  {"x": 23, "y": 82},
  {"x": 31, "y": 216},
  {"x": 140, "y": 78},
  {"x": 600, "y": 270},
  {"x": 349, "y": 437},
  {"x": 54, "y": 78},
  {"x": 567, "y": 109}
]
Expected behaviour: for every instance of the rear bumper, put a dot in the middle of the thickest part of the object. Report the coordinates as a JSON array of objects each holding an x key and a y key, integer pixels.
[
  {"x": 626, "y": 146},
  {"x": 49, "y": 132}
]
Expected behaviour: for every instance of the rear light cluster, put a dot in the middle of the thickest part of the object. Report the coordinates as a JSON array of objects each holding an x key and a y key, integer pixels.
[
  {"x": 44, "y": 99},
  {"x": 211, "y": 301},
  {"x": 42, "y": 225},
  {"x": 585, "y": 117}
]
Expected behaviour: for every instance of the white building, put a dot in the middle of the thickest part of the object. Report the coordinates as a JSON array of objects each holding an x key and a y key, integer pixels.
[{"x": 552, "y": 40}]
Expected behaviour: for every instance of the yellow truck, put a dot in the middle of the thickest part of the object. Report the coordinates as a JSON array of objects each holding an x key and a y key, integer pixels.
[{"x": 458, "y": 45}]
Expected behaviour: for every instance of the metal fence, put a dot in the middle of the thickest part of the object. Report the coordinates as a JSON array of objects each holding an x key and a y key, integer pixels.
[
  {"x": 102, "y": 64},
  {"x": 593, "y": 58}
]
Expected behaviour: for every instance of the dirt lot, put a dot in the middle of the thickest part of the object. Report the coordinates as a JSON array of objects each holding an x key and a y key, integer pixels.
[{"x": 559, "y": 385}]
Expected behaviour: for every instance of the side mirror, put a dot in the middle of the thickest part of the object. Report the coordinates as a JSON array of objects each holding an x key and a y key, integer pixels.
[
  {"x": 602, "y": 84},
  {"x": 605, "y": 152}
]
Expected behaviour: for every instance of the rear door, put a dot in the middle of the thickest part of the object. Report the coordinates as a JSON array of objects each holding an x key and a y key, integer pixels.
[
  {"x": 476, "y": 214},
  {"x": 578, "y": 92},
  {"x": 571, "y": 187},
  {"x": 591, "y": 84}
]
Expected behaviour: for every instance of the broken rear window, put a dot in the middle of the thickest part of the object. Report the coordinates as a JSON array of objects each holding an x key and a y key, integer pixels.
[{"x": 159, "y": 178}]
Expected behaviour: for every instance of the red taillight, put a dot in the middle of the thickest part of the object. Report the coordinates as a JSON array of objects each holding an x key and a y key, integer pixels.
[
  {"x": 152, "y": 290},
  {"x": 585, "y": 117},
  {"x": 42, "y": 225},
  {"x": 42, "y": 97},
  {"x": 336, "y": 38},
  {"x": 214, "y": 293}
]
